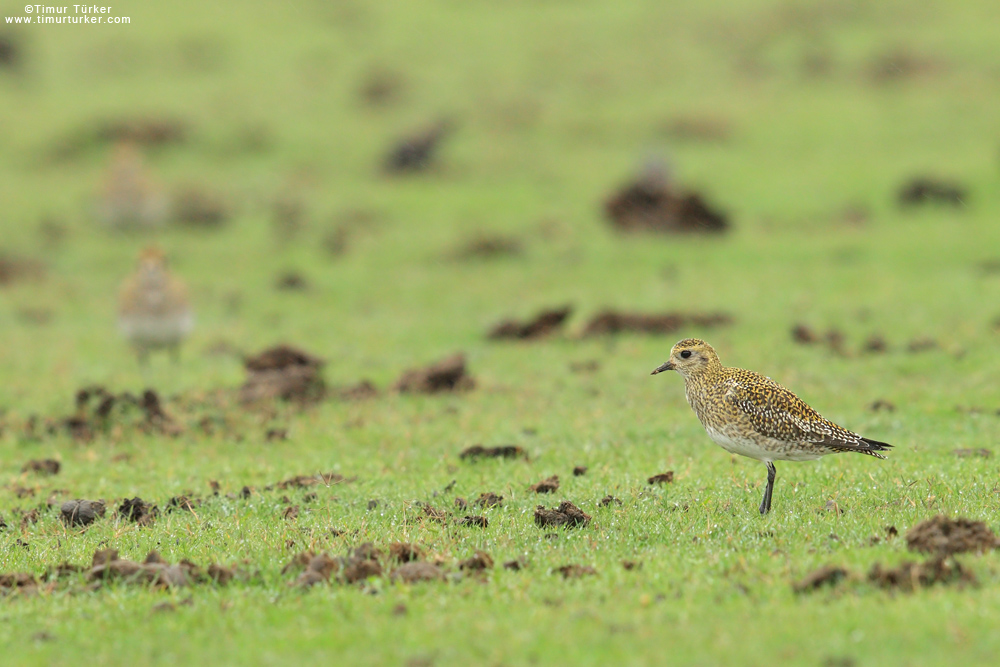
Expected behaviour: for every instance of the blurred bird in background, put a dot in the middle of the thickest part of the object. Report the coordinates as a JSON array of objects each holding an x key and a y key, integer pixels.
[
  {"x": 130, "y": 198},
  {"x": 154, "y": 311}
]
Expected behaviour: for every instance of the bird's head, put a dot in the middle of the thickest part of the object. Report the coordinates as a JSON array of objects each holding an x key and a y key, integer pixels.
[{"x": 690, "y": 357}]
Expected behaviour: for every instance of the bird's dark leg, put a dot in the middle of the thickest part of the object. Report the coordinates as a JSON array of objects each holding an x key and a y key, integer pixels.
[{"x": 765, "y": 504}]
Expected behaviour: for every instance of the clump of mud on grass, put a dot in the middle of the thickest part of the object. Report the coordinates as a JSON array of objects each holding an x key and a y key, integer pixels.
[
  {"x": 306, "y": 481},
  {"x": 922, "y": 190},
  {"x": 543, "y": 324},
  {"x": 283, "y": 372},
  {"x": 650, "y": 203},
  {"x": 909, "y": 576},
  {"x": 547, "y": 485},
  {"x": 487, "y": 246},
  {"x": 81, "y": 512},
  {"x": 828, "y": 575},
  {"x": 417, "y": 151},
  {"x": 42, "y": 466},
  {"x": 478, "y": 562},
  {"x": 567, "y": 514},
  {"x": 477, "y": 452},
  {"x": 448, "y": 374},
  {"x": 138, "y": 511},
  {"x": 489, "y": 499},
  {"x": 941, "y": 536},
  {"x": 14, "y": 268},
  {"x": 574, "y": 571},
  {"x": 609, "y": 322},
  {"x": 154, "y": 571},
  {"x": 662, "y": 478}
]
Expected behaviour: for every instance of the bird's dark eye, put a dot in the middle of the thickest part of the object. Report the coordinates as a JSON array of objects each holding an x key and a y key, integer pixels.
[{"x": 685, "y": 354}]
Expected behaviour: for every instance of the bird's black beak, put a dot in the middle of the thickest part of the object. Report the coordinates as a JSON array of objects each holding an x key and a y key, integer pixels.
[{"x": 663, "y": 367}]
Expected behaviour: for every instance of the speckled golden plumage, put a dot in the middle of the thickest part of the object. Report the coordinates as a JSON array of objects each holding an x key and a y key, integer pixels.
[
  {"x": 749, "y": 414},
  {"x": 153, "y": 307}
]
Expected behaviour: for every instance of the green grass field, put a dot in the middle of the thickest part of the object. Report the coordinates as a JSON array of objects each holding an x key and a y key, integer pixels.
[{"x": 816, "y": 114}]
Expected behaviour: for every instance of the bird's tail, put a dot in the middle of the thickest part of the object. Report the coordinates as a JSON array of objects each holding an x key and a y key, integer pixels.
[{"x": 872, "y": 447}]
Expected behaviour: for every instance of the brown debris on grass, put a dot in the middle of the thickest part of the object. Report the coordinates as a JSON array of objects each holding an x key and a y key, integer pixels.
[
  {"x": 610, "y": 322},
  {"x": 828, "y": 575},
  {"x": 876, "y": 344},
  {"x": 183, "y": 502},
  {"x": 489, "y": 499},
  {"x": 42, "y": 466},
  {"x": 417, "y": 151},
  {"x": 547, "y": 485},
  {"x": 930, "y": 190},
  {"x": 153, "y": 571},
  {"x": 145, "y": 131},
  {"x": 412, "y": 573},
  {"x": 545, "y": 323},
  {"x": 138, "y": 511},
  {"x": 477, "y": 452},
  {"x": 630, "y": 565},
  {"x": 567, "y": 514},
  {"x": 478, "y": 562},
  {"x": 909, "y": 576},
  {"x": 283, "y": 372},
  {"x": 291, "y": 281},
  {"x": 980, "y": 452},
  {"x": 99, "y": 411},
  {"x": 20, "y": 582},
  {"x": 662, "y": 478},
  {"x": 941, "y": 536},
  {"x": 404, "y": 552},
  {"x": 579, "y": 471},
  {"x": 448, "y": 374},
  {"x": 361, "y": 391},
  {"x": 574, "y": 571},
  {"x": 306, "y": 481},
  {"x": 487, "y": 246},
  {"x": 81, "y": 512},
  {"x": 833, "y": 338},
  {"x": 650, "y": 204},
  {"x": 921, "y": 344},
  {"x": 14, "y": 268},
  {"x": 434, "y": 514},
  {"x": 475, "y": 521},
  {"x": 882, "y": 405},
  {"x": 901, "y": 63},
  {"x": 195, "y": 206},
  {"x": 609, "y": 500}
]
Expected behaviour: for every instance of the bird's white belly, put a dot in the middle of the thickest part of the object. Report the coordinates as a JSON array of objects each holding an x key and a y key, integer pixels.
[{"x": 761, "y": 448}]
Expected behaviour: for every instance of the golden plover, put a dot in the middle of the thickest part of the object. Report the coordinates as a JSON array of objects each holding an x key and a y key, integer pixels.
[
  {"x": 748, "y": 414},
  {"x": 153, "y": 310},
  {"x": 130, "y": 198}
]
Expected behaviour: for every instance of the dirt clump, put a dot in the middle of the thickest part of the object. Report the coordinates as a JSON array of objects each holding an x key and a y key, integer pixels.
[
  {"x": 318, "y": 569},
  {"x": 290, "y": 513},
  {"x": 515, "y": 565},
  {"x": 195, "y": 206},
  {"x": 435, "y": 514},
  {"x": 909, "y": 576},
  {"x": 42, "y": 466},
  {"x": 138, "y": 511},
  {"x": 547, "y": 485},
  {"x": 544, "y": 323},
  {"x": 183, "y": 502},
  {"x": 475, "y": 521},
  {"x": 610, "y": 322},
  {"x": 448, "y": 374},
  {"x": 81, "y": 512},
  {"x": 153, "y": 571},
  {"x": 489, "y": 499},
  {"x": 828, "y": 575},
  {"x": 630, "y": 565},
  {"x": 99, "y": 410},
  {"x": 405, "y": 552},
  {"x": 417, "y": 151},
  {"x": 477, "y": 452},
  {"x": 306, "y": 481},
  {"x": 579, "y": 471},
  {"x": 574, "y": 571},
  {"x": 478, "y": 562},
  {"x": 22, "y": 582},
  {"x": 942, "y": 536},
  {"x": 567, "y": 514},
  {"x": 283, "y": 372},
  {"x": 14, "y": 269},
  {"x": 921, "y": 344},
  {"x": 417, "y": 571},
  {"x": 361, "y": 391},
  {"x": 876, "y": 344},
  {"x": 882, "y": 405},
  {"x": 930, "y": 190},
  {"x": 609, "y": 500},
  {"x": 662, "y": 478},
  {"x": 651, "y": 204},
  {"x": 291, "y": 281},
  {"x": 488, "y": 246},
  {"x": 980, "y": 452}
]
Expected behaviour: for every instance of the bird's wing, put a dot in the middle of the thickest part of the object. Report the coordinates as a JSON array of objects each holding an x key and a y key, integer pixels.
[{"x": 777, "y": 413}]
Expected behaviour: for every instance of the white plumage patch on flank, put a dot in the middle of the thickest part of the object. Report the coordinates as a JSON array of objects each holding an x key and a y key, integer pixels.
[{"x": 761, "y": 448}]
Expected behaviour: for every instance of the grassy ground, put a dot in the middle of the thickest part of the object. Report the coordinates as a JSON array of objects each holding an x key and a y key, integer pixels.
[{"x": 555, "y": 104}]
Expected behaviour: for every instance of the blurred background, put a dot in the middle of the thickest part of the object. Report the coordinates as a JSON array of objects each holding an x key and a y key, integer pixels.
[{"x": 380, "y": 182}]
